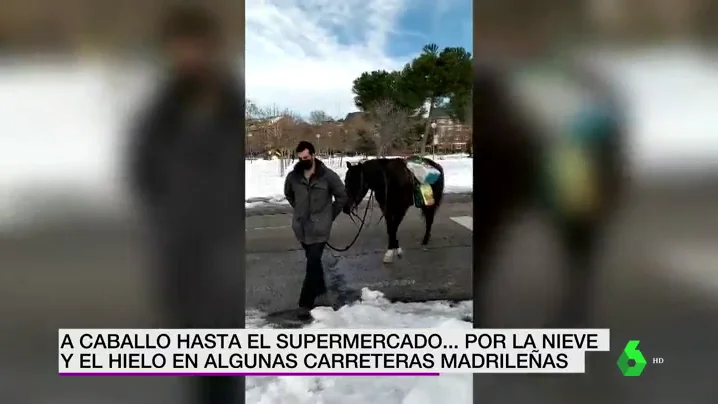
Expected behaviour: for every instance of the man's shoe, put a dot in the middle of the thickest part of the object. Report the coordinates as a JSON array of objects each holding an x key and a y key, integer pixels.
[
  {"x": 304, "y": 314},
  {"x": 326, "y": 299}
]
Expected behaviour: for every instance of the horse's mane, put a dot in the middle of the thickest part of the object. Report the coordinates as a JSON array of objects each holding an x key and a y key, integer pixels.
[
  {"x": 380, "y": 170},
  {"x": 373, "y": 166}
]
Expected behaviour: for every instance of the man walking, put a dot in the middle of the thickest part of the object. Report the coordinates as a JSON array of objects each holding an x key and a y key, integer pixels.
[
  {"x": 188, "y": 172},
  {"x": 317, "y": 195}
]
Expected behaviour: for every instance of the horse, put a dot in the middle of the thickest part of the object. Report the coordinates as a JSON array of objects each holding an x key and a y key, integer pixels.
[
  {"x": 393, "y": 185},
  {"x": 509, "y": 175}
]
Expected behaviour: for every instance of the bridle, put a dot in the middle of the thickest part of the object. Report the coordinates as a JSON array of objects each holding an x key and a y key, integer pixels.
[
  {"x": 362, "y": 221},
  {"x": 369, "y": 209}
]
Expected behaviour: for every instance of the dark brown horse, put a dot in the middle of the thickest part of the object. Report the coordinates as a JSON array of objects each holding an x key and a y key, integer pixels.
[
  {"x": 394, "y": 187},
  {"x": 510, "y": 175}
]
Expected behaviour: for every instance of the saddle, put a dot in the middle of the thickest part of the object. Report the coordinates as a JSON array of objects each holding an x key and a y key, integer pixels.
[
  {"x": 423, "y": 176},
  {"x": 572, "y": 169}
]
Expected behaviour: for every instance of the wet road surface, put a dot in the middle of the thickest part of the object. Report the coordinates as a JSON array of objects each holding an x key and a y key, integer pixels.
[{"x": 442, "y": 271}]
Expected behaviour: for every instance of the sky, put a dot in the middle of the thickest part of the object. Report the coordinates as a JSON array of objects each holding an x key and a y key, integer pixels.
[{"x": 303, "y": 55}]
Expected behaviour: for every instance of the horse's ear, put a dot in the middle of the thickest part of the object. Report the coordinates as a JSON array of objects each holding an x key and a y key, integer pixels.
[{"x": 349, "y": 165}]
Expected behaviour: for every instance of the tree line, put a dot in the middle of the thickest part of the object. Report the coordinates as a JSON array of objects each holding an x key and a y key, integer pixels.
[
  {"x": 273, "y": 130},
  {"x": 399, "y": 102},
  {"x": 395, "y": 109}
]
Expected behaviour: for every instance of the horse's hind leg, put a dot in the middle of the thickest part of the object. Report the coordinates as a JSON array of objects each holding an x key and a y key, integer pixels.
[
  {"x": 485, "y": 242},
  {"x": 429, "y": 212},
  {"x": 580, "y": 243},
  {"x": 392, "y": 227}
]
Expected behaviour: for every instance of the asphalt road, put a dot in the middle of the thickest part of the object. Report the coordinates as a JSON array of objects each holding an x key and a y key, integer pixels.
[
  {"x": 442, "y": 271},
  {"x": 658, "y": 283}
]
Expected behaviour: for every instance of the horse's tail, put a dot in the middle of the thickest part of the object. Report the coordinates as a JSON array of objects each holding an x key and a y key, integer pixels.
[{"x": 438, "y": 187}]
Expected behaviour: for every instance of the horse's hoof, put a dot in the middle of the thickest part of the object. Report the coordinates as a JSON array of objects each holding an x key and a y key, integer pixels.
[
  {"x": 389, "y": 257},
  {"x": 400, "y": 252}
]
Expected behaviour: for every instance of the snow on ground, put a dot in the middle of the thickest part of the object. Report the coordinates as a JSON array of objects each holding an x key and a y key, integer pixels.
[
  {"x": 265, "y": 182},
  {"x": 373, "y": 311}
]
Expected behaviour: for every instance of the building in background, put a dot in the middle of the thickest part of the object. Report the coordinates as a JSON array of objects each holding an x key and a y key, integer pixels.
[{"x": 451, "y": 135}]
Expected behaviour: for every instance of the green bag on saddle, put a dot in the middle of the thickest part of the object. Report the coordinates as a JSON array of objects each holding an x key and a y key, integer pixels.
[
  {"x": 573, "y": 178},
  {"x": 424, "y": 175},
  {"x": 572, "y": 171},
  {"x": 423, "y": 195}
]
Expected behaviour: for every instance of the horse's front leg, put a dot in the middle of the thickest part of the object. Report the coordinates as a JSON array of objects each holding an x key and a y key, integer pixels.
[
  {"x": 393, "y": 243},
  {"x": 393, "y": 220}
]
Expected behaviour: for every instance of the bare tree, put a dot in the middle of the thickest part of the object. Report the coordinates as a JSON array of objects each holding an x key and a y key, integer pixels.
[
  {"x": 252, "y": 110},
  {"x": 288, "y": 130},
  {"x": 319, "y": 117},
  {"x": 389, "y": 122},
  {"x": 333, "y": 137},
  {"x": 352, "y": 128},
  {"x": 273, "y": 133}
]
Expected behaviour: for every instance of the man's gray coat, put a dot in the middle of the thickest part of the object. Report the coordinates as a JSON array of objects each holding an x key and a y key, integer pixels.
[{"x": 317, "y": 201}]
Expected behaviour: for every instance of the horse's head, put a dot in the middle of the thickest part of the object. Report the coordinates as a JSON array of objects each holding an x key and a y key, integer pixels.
[{"x": 355, "y": 185}]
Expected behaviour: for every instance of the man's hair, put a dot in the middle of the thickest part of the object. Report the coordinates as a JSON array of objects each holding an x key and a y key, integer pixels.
[
  {"x": 304, "y": 145},
  {"x": 189, "y": 21}
]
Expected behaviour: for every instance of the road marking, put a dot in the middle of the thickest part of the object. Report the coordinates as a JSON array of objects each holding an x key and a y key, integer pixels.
[
  {"x": 269, "y": 227},
  {"x": 466, "y": 221}
]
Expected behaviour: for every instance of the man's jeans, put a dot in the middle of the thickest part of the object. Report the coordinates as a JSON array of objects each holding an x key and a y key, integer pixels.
[
  {"x": 217, "y": 390},
  {"x": 314, "y": 284}
]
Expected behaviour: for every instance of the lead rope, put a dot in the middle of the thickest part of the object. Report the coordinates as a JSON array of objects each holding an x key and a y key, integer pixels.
[
  {"x": 361, "y": 226},
  {"x": 367, "y": 210}
]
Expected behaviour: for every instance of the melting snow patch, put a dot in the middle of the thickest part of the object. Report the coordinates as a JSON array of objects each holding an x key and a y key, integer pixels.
[{"x": 372, "y": 311}]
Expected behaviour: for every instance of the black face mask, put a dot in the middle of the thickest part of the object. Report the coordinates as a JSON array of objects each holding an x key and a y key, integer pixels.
[{"x": 305, "y": 164}]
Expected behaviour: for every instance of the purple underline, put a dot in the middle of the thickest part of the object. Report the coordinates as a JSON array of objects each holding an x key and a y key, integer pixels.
[{"x": 276, "y": 374}]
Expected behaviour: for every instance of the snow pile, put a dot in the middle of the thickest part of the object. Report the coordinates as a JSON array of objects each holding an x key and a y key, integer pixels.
[
  {"x": 373, "y": 311},
  {"x": 265, "y": 182}
]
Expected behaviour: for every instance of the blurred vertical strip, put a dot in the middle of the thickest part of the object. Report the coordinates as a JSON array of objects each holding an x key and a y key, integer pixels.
[
  {"x": 610, "y": 103},
  {"x": 239, "y": 30},
  {"x": 75, "y": 76},
  {"x": 187, "y": 171}
]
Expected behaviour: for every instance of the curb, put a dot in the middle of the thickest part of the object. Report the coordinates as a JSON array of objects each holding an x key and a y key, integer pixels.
[{"x": 282, "y": 209}]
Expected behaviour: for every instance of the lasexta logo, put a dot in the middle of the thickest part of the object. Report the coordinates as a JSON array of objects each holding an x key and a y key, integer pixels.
[{"x": 631, "y": 362}]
